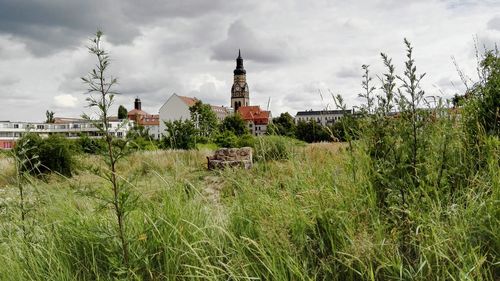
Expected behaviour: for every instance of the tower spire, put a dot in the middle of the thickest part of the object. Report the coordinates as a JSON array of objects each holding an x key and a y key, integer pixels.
[{"x": 239, "y": 65}]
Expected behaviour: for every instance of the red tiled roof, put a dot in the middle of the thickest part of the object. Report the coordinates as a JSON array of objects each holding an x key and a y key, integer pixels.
[
  {"x": 136, "y": 112},
  {"x": 255, "y": 114},
  {"x": 189, "y": 101},
  {"x": 143, "y": 118}
]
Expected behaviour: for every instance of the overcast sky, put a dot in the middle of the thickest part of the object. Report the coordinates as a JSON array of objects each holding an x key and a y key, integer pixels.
[{"x": 293, "y": 49}]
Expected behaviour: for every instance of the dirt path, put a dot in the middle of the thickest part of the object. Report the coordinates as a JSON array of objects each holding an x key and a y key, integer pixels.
[
  {"x": 212, "y": 189},
  {"x": 212, "y": 195}
]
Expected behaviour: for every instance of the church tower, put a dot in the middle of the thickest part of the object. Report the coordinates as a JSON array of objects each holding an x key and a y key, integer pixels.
[{"x": 239, "y": 92}]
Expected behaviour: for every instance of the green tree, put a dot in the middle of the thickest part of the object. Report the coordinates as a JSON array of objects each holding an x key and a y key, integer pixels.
[
  {"x": 204, "y": 119},
  {"x": 49, "y": 117},
  {"x": 122, "y": 112},
  {"x": 235, "y": 124},
  {"x": 284, "y": 125},
  {"x": 311, "y": 132},
  {"x": 180, "y": 134}
]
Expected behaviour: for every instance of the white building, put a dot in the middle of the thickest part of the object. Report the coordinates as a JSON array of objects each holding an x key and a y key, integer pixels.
[
  {"x": 177, "y": 108},
  {"x": 10, "y": 132},
  {"x": 323, "y": 117}
]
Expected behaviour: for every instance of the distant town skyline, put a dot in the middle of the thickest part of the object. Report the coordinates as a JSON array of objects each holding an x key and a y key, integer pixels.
[{"x": 293, "y": 49}]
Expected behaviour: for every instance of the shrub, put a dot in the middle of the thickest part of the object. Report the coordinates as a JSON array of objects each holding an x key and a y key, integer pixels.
[
  {"x": 180, "y": 134},
  {"x": 53, "y": 154},
  {"x": 226, "y": 139},
  {"x": 90, "y": 146},
  {"x": 246, "y": 140},
  {"x": 235, "y": 124}
]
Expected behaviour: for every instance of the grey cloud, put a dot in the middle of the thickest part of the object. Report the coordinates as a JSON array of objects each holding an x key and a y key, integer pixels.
[
  {"x": 457, "y": 4},
  {"x": 494, "y": 23},
  {"x": 448, "y": 83},
  {"x": 139, "y": 11},
  {"x": 8, "y": 81},
  {"x": 208, "y": 93},
  {"x": 253, "y": 46},
  {"x": 349, "y": 72},
  {"x": 50, "y": 26}
]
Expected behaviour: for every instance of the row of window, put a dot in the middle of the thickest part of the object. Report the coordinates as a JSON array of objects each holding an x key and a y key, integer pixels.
[
  {"x": 318, "y": 119},
  {"x": 55, "y": 126}
]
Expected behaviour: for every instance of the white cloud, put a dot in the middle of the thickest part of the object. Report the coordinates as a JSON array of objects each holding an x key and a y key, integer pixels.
[{"x": 65, "y": 101}]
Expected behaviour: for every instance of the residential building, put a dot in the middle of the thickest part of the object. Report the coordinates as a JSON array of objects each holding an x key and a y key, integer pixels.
[
  {"x": 256, "y": 119},
  {"x": 10, "y": 132},
  {"x": 221, "y": 111},
  {"x": 177, "y": 108},
  {"x": 323, "y": 117}
]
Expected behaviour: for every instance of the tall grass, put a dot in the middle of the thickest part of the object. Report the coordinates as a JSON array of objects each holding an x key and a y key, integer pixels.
[{"x": 299, "y": 219}]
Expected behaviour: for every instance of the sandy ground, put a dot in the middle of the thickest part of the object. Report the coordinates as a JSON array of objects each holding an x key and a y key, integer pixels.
[{"x": 5, "y": 163}]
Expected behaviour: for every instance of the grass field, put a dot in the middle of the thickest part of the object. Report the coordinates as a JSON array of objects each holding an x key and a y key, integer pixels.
[{"x": 298, "y": 219}]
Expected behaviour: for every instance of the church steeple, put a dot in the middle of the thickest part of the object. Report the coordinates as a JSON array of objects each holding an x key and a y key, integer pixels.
[
  {"x": 239, "y": 65},
  {"x": 239, "y": 92}
]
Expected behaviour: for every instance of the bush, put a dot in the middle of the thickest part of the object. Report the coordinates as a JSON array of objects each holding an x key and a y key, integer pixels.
[
  {"x": 235, "y": 124},
  {"x": 180, "y": 134},
  {"x": 226, "y": 139},
  {"x": 45, "y": 155},
  {"x": 55, "y": 156},
  {"x": 90, "y": 146},
  {"x": 246, "y": 140}
]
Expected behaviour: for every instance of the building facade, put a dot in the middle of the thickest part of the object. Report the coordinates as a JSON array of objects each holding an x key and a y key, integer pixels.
[
  {"x": 322, "y": 117},
  {"x": 256, "y": 119},
  {"x": 70, "y": 128}
]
